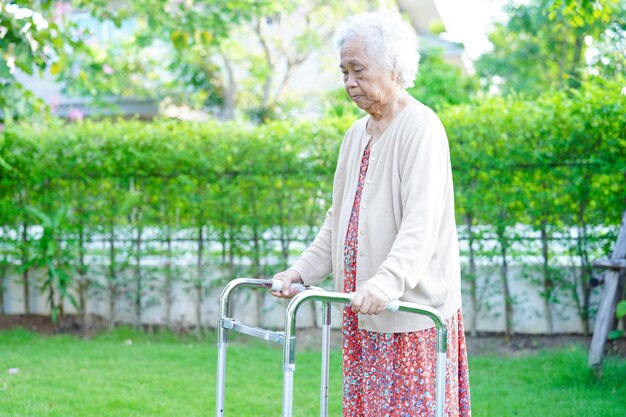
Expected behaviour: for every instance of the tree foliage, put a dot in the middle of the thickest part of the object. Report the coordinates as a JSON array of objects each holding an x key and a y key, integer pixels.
[
  {"x": 555, "y": 44},
  {"x": 227, "y": 56},
  {"x": 440, "y": 84},
  {"x": 52, "y": 39},
  {"x": 33, "y": 39}
]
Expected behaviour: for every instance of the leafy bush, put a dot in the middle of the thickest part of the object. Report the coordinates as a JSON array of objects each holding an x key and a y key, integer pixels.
[{"x": 555, "y": 164}]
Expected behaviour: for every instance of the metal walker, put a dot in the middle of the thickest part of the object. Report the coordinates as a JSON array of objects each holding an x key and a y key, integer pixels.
[{"x": 288, "y": 339}]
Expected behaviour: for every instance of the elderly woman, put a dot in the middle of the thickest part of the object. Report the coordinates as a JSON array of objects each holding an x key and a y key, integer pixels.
[{"x": 390, "y": 233}]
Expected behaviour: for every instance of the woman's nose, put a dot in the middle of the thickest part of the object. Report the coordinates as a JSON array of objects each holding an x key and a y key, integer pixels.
[{"x": 350, "y": 81}]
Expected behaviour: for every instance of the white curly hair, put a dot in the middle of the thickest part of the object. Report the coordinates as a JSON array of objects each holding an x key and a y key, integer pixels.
[{"x": 388, "y": 39}]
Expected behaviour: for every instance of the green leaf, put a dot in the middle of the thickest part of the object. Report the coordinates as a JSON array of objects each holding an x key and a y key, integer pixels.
[
  {"x": 73, "y": 300},
  {"x": 55, "y": 68},
  {"x": 207, "y": 38},
  {"x": 179, "y": 39},
  {"x": 615, "y": 334},
  {"x": 620, "y": 310},
  {"x": 4, "y": 164},
  {"x": 38, "y": 214}
]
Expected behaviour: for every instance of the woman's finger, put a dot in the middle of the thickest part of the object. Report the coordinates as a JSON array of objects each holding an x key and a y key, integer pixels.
[
  {"x": 357, "y": 301},
  {"x": 366, "y": 307},
  {"x": 286, "y": 287},
  {"x": 380, "y": 309},
  {"x": 285, "y": 283}
]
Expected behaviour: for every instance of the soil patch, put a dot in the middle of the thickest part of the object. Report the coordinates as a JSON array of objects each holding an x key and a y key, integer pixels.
[{"x": 68, "y": 324}]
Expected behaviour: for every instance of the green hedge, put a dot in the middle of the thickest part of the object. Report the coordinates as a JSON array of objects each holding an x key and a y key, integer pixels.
[
  {"x": 224, "y": 182},
  {"x": 556, "y": 164}
]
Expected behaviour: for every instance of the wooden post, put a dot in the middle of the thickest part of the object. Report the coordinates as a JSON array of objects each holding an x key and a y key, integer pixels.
[{"x": 610, "y": 297}]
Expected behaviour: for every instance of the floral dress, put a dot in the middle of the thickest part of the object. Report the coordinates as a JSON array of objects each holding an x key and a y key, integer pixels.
[{"x": 393, "y": 374}]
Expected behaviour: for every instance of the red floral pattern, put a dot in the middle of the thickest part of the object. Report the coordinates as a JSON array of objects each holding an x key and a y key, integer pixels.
[{"x": 393, "y": 374}]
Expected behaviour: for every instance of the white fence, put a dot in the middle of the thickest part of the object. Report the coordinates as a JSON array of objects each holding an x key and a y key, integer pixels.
[{"x": 260, "y": 308}]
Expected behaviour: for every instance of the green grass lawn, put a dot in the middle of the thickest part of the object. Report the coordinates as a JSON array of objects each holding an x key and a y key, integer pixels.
[{"x": 165, "y": 376}]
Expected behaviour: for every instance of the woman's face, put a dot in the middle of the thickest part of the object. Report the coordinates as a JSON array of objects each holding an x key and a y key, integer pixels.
[{"x": 369, "y": 85}]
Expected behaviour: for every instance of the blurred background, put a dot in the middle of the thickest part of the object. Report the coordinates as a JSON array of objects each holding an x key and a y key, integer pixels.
[{"x": 152, "y": 150}]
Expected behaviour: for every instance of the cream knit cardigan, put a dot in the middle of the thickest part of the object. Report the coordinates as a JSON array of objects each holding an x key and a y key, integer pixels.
[{"x": 408, "y": 246}]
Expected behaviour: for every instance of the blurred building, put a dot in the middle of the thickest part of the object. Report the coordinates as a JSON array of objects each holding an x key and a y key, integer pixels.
[{"x": 427, "y": 19}]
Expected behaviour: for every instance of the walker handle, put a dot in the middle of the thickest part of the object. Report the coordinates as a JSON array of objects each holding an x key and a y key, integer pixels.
[
  {"x": 392, "y": 306},
  {"x": 277, "y": 285}
]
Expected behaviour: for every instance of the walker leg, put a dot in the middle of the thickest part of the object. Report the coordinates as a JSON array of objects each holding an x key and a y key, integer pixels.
[
  {"x": 440, "y": 391},
  {"x": 221, "y": 378},
  {"x": 289, "y": 367},
  {"x": 325, "y": 358},
  {"x": 289, "y": 347}
]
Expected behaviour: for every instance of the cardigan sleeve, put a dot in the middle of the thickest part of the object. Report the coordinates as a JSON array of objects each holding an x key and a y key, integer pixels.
[
  {"x": 315, "y": 262},
  {"x": 424, "y": 172}
]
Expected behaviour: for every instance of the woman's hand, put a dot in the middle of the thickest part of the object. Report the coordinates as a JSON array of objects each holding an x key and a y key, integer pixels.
[
  {"x": 368, "y": 299},
  {"x": 287, "y": 277}
]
